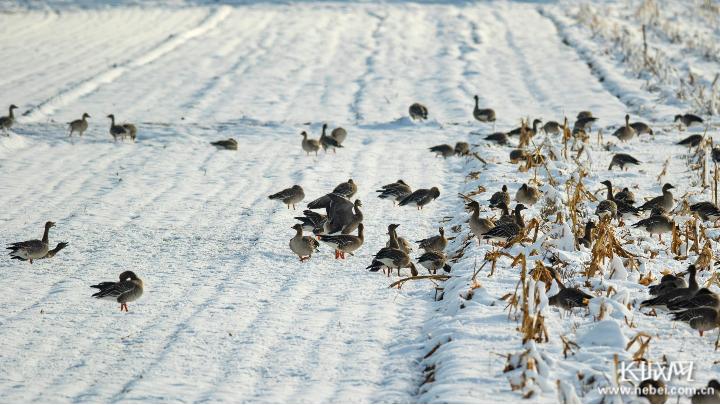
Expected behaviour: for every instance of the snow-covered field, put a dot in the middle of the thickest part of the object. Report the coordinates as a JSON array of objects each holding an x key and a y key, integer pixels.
[{"x": 228, "y": 313}]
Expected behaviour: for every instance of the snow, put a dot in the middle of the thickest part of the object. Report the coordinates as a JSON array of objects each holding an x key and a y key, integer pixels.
[{"x": 228, "y": 313}]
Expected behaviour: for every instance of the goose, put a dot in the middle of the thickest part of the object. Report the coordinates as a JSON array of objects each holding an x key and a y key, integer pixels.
[
  {"x": 706, "y": 210},
  {"x": 505, "y": 216},
  {"x": 500, "y": 197},
  {"x": 418, "y": 112},
  {"x": 228, "y": 144},
  {"x": 584, "y": 115},
  {"x": 7, "y": 121},
  {"x": 79, "y": 126},
  {"x": 312, "y": 221},
  {"x": 626, "y": 132},
  {"x": 583, "y": 123},
  {"x": 479, "y": 225},
  {"x": 128, "y": 289},
  {"x": 654, "y": 391},
  {"x": 346, "y": 189},
  {"x": 344, "y": 243},
  {"x": 351, "y": 223},
  {"x": 665, "y": 201},
  {"x": 517, "y": 155},
  {"x": 710, "y": 395},
  {"x": 393, "y": 243},
  {"x": 392, "y": 259},
  {"x": 32, "y": 249},
  {"x": 625, "y": 195},
  {"x": 289, "y": 196},
  {"x": 118, "y": 131},
  {"x": 667, "y": 282},
  {"x": 622, "y": 208},
  {"x": 641, "y": 128},
  {"x": 691, "y": 141},
  {"x": 462, "y": 148},
  {"x": 688, "y": 119},
  {"x": 483, "y": 114},
  {"x": 658, "y": 223},
  {"x": 435, "y": 243},
  {"x": 396, "y": 241},
  {"x": 568, "y": 297},
  {"x": 505, "y": 231},
  {"x": 309, "y": 145},
  {"x": 328, "y": 142},
  {"x": 703, "y": 298},
  {"x": 552, "y": 127},
  {"x": 500, "y": 138},
  {"x": 339, "y": 134},
  {"x": 607, "y": 207},
  {"x": 303, "y": 246},
  {"x": 675, "y": 294},
  {"x": 420, "y": 197},
  {"x": 527, "y": 195},
  {"x": 587, "y": 238},
  {"x": 622, "y": 160},
  {"x": 50, "y": 254},
  {"x": 394, "y": 191},
  {"x": 443, "y": 150},
  {"x": 340, "y": 211},
  {"x": 701, "y": 319},
  {"x": 433, "y": 261},
  {"x": 533, "y": 131}
]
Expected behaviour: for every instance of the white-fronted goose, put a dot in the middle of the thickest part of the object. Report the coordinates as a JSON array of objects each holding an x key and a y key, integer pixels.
[
  {"x": 433, "y": 261},
  {"x": 121, "y": 131},
  {"x": 625, "y": 133},
  {"x": 435, "y": 243},
  {"x": 552, "y": 127},
  {"x": 587, "y": 238},
  {"x": 483, "y": 114},
  {"x": 622, "y": 160},
  {"x": 500, "y": 197},
  {"x": 499, "y": 138},
  {"x": 568, "y": 297},
  {"x": 393, "y": 259},
  {"x": 667, "y": 282},
  {"x": 703, "y": 298},
  {"x": 128, "y": 289},
  {"x": 7, "y": 121},
  {"x": 344, "y": 243},
  {"x": 443, "y": 150},
  {"x": 527, "y": 195},
  {"x": 420, "y": 197},
  {"x": 691, "y": 141},
  {"x": 303, "y": 246},
  {"x": 479, "y": 225},
  {"x": 79, "y": 126},
  {"x": 328, "y": 142},
  {"x": 666, "y": 201},
  {"x": 710, "y": 395},
  {"x": 641, "y": 128},
  {"x": 310, "y": 145},
  {"x": 656, "y": 223},
  {"x": 505, "y": 231},
  {"x": 688, "y": 119},
  {"x": 346, "y": 189},
  {"x": 418, "y": 111},
  {"x": 462, "y": 148},
  {"x": 339, "y": 134},
  {"x": 50, "y": 254},
  {"x": 676, "y": 293},
  {"x": 228, "y": 144},
  {"x": 32, "y": 249},
  {"x": 289, "y": 196},
  {"x": 706, "y": 210},
  {"x": 394, "y": 191}
]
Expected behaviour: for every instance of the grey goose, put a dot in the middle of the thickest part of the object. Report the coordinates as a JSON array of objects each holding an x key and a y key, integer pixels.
[
  {"x": 622, "y": 160},
  {"x": 50, "y": 254},
  {"x": 533, "y": 130},
  {"x": 701, "y": 319},
  {"x": 625, "y": 133},
  {"x": 397, "y": 242},
  {"x": 339, "y": 210},
  {"x": 433, "y": 261},
  {"x": 655, "y": 391},
  {"x": 6, "y": 122},
  {"x": 79, "y": 126},
  {"x": 584, "y": 115},
  {"x": 328, "y": 142},
  {"x": 625, "y": 195},
  {"x": 517, "y": 155},
  {"x": 129, "y": 288},
  {"x": 435, "y": 243},
  {"x": 656, "y": 223},
  {"x": 583, "y": 123},
  {"x": 303, "y": 246},
  {"x": 121, "y": 131},
  {"x": 703, "y": 298},
  {"x": 392, "y": 258},
  {"x": 312, "y": 221},
  {"x": 675, "y": 294},
  {"x": 666, "y": 201},
  {"x": 688, "y": 119},
  {"x": 622, "y": 207},
  {"x": 346, "y": 189},
  {"x": 443, "y": 150},
  {"x": 289, "y": 196},
  {"x": 568, "y": 297},
  {"x": 418, "y": 112},
  {"x": 527, "y": 195},
  {"x": 479, "y": 225},
  {"x": 505, "y": 231},
  {"x": 32, "y": 249},
  {"x": 228, "y": 144},
  {"x": 667, "y": 282},
  {"x": 309, "y": 145},
  {"x": 420, "y": 197},
  {"x": 500, "y": 197},
  {"x": 344, "y": 243},
  {"x": 392, "y": 244},
  {"x": 483, "y": 114},
  {"x": 394, "y": 191}
]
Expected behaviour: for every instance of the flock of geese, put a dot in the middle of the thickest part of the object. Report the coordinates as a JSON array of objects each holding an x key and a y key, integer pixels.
[{"x": 336, "y": 220}]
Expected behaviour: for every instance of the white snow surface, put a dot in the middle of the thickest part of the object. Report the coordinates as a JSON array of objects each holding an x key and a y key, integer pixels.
[{"x": 228, "y": 313}]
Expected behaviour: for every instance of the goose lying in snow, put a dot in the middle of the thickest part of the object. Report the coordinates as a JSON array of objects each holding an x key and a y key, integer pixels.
[
  {"x": 303, "y": 246},
  {"x": 706, "y": 210},
  {"x": 394, "y": 191},
  {"x": 667, "y": 282},
  {"x": 289, "y": 196},
  {"x": 344, "y": 243},
  {"x": 527, "y": 195},
  {"x": 32, "y": 249},
  {"x": 229, "y": 144},
  {"x": 418, "y": 111},
  {"x": 625, "y": 195},
  {"x": 6, "y": 122},
  {"x": 420, "y": 197},
  {"x": 462, "y": 148},
  {"x": 435, "y": 243},
  {"x": 568, "y": 297},
  {"x": 500, "y": 138},
  {"x": 79, "y": 126},
  {"x": 128, "y": 289},
  {"x": 691, "y": 141},
  {"x": 675, "y": 294},
  {"x": 309, "y": 145}
]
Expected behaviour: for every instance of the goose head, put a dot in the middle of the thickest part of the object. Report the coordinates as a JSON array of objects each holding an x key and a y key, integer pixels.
[
  {"x": 304, "y": 134},
  {"x": 435, "y": 192},
  {"x": 627, "y": 119},
  {"x": 678, "y": 118},
  {"x": 504, "y": 188},
  {"x": 441, "y": 230},
  {"x": 473, "y": 205},
  {"x": 519, "y": 208},
  {"x": 12, "y": 107},
  {"x": 667, "y": 187},
  {"x": 111, "y": 116},
  {"x": 392, "y": 227},
  {"x": 400, "y": 181},
  {"x": 49, "y": 224},
  {"x": 85, "y": 115},
  {"x": 128, "y": 275},
  {"x": 589, "y": 226},
  {"x": 357, "y": 203},
  {"x": 297, "y": 227}
]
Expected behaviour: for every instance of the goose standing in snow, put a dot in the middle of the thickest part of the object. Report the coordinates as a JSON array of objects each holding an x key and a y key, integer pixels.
[
  {"x": 310, "y": 145},
  {"x": 706, "y": 210},
  {"x": 622, "y": 160},
  {"x": 339, "y": 134},
  {"x": 658, "y": 223},
  {"x": 641, "y": 128},
  {"x": 121, "y": 131},
  {"x": 691, "y": 141},
  {"x": 289, "y": 196},
  {"x": 483, "y": 114},
  {"x": 462, "y": 148},
  {"x": 676, "y": 293},
  {"x": 443, "y": 150},
  {"x": 393, "y": 259},
  {"x": 500, "y": 197},
  {"x": 435, "y": 243},
  {"x": 328, "y": 142},
  {"x": 703, "y": 298},
  {"x": 79, "y": 126},
  {"x": 568, "y": 297},
  {"x": 418, "y": 112},
  {"x": 666, "y": 201},
  {"x": 583, "y": 123},
  {"x": 625, "y": 133},
  {"x": 396, "y": 241},
  {"x": 420, "y": 197},
  {"x": 394, "y": 191},
  {"x": 622, "y": 208},
  {"x": 552, "y": 127},
  {"x": 533, "y": 130},
  {"x": 341, "y": 212},
  {"x": 128, "y": 289},
  {"x": 32, "y": 249},
  {"x": 527, "y": 195},
  {"x": 433, "y": 261},
  {"x": 303, "y": 246},
  {"x": 229, "y": 144},
  {"x": 346, "y": 189},
  {"x": 7, "y": 121},
  {"x": 701, "y": 319},
  {"x": 344, "y": 243},
  {"x": 479, "y": 225},
  {"x": 688, "y": 120},
  {"x": 507, "y": 230}
]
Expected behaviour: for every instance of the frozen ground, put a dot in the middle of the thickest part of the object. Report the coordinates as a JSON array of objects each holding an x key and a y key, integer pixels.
[{"x": 228, "y": 313}]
